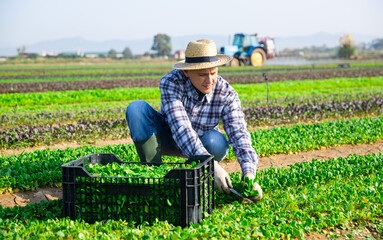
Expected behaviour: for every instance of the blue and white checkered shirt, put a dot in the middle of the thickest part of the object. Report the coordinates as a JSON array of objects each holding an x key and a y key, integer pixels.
[{"x": 190, "y": 117}]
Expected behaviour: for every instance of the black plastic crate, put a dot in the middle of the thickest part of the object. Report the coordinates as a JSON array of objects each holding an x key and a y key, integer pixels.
[{"x": 181, "y": 197}]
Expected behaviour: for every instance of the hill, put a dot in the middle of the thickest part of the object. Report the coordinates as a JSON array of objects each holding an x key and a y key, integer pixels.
[{"x": 140, "y": 46}]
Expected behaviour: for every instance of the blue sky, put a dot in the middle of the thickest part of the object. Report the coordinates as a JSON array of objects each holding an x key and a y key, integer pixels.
[{"x": 31, "y": 21}]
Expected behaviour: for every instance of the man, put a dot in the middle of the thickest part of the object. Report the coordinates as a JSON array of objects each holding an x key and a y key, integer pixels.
[{"x": 194, "y": 98}]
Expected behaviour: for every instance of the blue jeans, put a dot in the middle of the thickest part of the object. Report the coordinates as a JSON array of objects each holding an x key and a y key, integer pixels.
[{"x": 144, "y": 122}]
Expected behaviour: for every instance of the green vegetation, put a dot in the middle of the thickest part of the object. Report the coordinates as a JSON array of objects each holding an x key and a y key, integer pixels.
[
  {"x": 41, "y": 167},
  {"x": 72, "y": 79},
  {"x": 316, "y": 197},
  {"x": 306, "y": 197},
  {"x": 84, "y": 96},
  {"x": 307, "y": 88},
  {"x": 284, "y": 89},
  {"x": 147, "y": 65},
  {"x": 133, "y": 170}
]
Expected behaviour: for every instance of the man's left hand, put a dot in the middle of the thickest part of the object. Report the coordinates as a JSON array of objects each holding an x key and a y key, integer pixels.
[{"x": 253, "y": 187}]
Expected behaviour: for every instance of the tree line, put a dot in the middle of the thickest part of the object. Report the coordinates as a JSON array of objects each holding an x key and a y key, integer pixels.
[{"x": 161, "y": 45}]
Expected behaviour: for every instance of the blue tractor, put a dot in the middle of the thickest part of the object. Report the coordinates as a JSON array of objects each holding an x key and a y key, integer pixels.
[{"x": 249, "y": 49}]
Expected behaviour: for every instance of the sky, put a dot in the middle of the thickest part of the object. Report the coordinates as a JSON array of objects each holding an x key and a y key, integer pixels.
[{"x": 31, "y": 21}]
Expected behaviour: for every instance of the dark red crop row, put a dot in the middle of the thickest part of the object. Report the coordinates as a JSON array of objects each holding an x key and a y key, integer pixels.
[
  {"x": 71, "y": 73},
  {"x": 314, "y": 111},
  {"x": 48, "y": 134},
  {"x": 88, "y": 130}
]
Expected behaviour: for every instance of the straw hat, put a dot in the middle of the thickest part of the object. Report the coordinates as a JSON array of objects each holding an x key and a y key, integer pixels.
[{"x": 201, "y": 54}]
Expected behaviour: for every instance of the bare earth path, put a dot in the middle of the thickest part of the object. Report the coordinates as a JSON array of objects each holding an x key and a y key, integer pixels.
[{"x": 278, "y": 160}]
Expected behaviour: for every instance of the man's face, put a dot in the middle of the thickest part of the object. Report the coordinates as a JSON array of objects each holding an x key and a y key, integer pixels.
[{"x": 203, "y": 79}]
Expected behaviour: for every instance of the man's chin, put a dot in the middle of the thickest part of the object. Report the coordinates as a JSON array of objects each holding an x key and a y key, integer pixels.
[{"x": 206, "y": 90}]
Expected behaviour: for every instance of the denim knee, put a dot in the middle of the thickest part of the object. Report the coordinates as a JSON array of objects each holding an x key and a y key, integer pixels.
[
  {"x": 216, "y": 144},
  {"x": 136, "y": 110},
  {"x": 138, "y": 117}
]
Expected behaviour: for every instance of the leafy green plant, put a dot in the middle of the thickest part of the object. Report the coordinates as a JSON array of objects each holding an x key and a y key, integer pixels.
[
  {"x": 245, "y": 91},
  {"x": 302, "y": 198},
  {"x": 30, "y": 170},
  {"x": 133, "y": 170}
]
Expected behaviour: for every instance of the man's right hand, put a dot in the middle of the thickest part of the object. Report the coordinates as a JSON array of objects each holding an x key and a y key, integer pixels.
[{"x": 221, "y": 179}]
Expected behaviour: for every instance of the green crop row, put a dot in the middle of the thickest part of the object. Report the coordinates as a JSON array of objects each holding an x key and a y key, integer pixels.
[
  {"x": 138, "y": 65},
  {"x": 303, "y": 137},
  {"x": 71, "y": 79},
  {"x": 84, "y": 96},
  {"x": 41, "y": 167},
  {"x": 69, "y": 72},
  {"x": 17, "y": 112},
  {"x": 288, "y": 110},
  {"x": 246, "y": 92},
  {"x": 303, "y": 198}
]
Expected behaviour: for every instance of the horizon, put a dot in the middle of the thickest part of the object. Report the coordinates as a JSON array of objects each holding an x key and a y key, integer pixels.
[{"x": 79, "y": 45}]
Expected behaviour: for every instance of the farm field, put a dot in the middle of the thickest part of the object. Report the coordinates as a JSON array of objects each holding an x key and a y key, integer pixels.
[{"x": 318, "y": 130}]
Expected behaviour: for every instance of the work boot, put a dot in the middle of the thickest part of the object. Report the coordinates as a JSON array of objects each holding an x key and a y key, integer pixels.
[{"x": 149, "y": 150}]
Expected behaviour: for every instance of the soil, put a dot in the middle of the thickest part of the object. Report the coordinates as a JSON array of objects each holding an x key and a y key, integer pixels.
[
  {"x": 278, "y": 160},
  {"x": 282, "y": 160},
  {"x": 27, "y": 197},
  {"x": 348, "y": 232}
]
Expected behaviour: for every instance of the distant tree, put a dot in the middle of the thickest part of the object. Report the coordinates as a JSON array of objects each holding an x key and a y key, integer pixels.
[
  {"x": 67, "y": 55},
  {"x": 21, "y": 50},
  {"x": 162, "y": 44},
  {"x": 127, "y": 53},
  {"x": 347, "y": 48},
  {"x": 112, "y": 54},
  {"x": 32, "y": 56},
  {"x": 147, "y": 54},
  {"x": 377, "y": 44}
]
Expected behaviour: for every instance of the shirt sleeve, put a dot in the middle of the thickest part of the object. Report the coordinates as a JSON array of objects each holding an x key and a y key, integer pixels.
[
  {"x": 184, "y": 135},
  {"x": 234, "y": 123}
]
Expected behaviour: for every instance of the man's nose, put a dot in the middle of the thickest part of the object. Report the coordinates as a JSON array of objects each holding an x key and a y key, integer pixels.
[{"x": 209, "y": 78}]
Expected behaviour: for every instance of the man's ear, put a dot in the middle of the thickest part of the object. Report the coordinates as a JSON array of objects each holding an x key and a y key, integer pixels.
[{"x": 186, "y": 72}]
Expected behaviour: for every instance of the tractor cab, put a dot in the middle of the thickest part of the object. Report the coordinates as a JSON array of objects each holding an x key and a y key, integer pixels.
[
  {"x": 244, "y": 42},
  {"x": 248, "y": 49}
]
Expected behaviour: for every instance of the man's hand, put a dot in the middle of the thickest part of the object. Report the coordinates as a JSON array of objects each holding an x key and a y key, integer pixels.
[
  {"x": 221, "y": 179},
  {"x": 252, "y": 187}
]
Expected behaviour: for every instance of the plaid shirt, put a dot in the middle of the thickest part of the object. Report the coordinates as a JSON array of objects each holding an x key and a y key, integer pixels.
[{"x": 190, "y": 117}]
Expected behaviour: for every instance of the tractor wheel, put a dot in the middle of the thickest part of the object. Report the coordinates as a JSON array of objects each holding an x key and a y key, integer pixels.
[
  {"x": 257, "y": 57},
  {"x": 234, "y": 62}
]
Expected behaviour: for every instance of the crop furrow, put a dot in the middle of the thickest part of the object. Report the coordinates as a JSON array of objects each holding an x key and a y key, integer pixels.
[{"x": 42, "y": 86}]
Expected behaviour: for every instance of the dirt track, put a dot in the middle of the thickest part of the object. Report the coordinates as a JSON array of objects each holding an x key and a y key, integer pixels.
[{"x": 278, "y": 160}]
